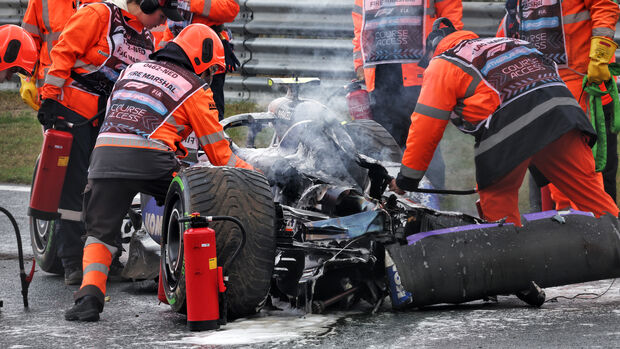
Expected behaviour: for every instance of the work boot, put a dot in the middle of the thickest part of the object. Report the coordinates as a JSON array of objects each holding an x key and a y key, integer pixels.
[
  {"x": 73, "y": 275},
  {"x": 86, "y": 308},
  {"x": 534, "y": 295}
]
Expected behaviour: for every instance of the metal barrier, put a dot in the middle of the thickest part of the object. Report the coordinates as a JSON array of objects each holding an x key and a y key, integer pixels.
[{"x": 12, "y": 11}]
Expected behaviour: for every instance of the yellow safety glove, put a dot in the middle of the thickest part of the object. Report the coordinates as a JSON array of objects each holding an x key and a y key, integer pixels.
[
  {"x": 28, "y": 91},
  {"x": 602, "y": 49}
]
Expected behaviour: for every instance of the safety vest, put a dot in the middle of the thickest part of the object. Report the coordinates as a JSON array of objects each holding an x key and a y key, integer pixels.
[
  {"x": 392, "y": 32},
  {"x": 411, "y": 73},
  {"x": 535, "y": 107},
  {"x": 127, "y": 46},
  {"x": 144, "y": 97},
  {"x": 540, "y": 23}
]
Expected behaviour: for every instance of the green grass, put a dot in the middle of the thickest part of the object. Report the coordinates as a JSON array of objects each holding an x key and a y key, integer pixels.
[{"x": 20, "y": 139}]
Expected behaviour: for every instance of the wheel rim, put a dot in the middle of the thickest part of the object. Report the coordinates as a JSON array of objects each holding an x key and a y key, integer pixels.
[
  {"x": 41, "y": 234},
  {"x": 174, "y": 247}
]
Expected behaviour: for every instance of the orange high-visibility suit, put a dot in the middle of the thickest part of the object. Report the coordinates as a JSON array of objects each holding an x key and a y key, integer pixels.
[
  {"x": 581, "y": 20},
  {"x": 481, "y": 86},
  {"x": 153, "y": 107},
  {"x": 394, "y": 80},
  {"x": 84, "y": 52},
  {"x": 45, "y": 21}
]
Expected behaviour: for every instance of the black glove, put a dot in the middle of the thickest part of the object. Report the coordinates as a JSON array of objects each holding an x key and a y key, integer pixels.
[
  {"x": 232, "y": 63},
  {"x": 48, "y": 113},
  {"x": 406, "y": 183},
  {"x": 379, "y": 180}
]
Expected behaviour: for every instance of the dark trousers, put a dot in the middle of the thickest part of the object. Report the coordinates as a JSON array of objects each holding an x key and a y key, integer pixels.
[
  {"x": 106, "y": 202},
  {"x": 392, "y": 105},
  {"x": 69, "y": 228},
  {"x": 217, "y": 87},
  {"x": 610, "y": 170}
]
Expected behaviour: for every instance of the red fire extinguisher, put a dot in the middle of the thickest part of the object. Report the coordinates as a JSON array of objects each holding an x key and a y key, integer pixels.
[
  {"x": 205, "y": 290},
  {"x": 52, "y": 168},
  {"x": 50, "y": 175},
  {"x": 358, "y": 101}
]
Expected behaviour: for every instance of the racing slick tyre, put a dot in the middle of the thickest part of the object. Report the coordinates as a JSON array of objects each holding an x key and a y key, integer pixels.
[
  {"x": 222, "y": 191},
  {"x": 43, "y": 240},
  {"x": 372, "y": 140}
]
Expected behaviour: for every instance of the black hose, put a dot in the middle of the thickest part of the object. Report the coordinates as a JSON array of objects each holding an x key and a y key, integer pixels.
[
  {"x": 22, "y": 273},
  {"x": 243, "y": 236},
  {"x": 445, "y": 191},
  {"x": 85, "y": 122}
]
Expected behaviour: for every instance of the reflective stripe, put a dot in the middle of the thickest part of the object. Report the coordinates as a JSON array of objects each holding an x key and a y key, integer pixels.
[
  {"x": 129, "y": 141},
  {"x": 81, "y": 64},
  {"x": 70, "y": 215},
  {"x": 471, "y": 89},
  {"x": 54, "y": 81},
  {"x": 603, "y": 32},
  {"x": 32, "y": 29},
  {"x": 51, "y": 37},
  {"x": 46, "y": 15},
  {"x": 94, "y": 240},
  {"x": 232, "y": 161},
  {"x": 411, "y": 173},
  {"x": 432, "y": 111},
  {"x": 41, "y": 82},
  {"x": 523, "y": 121},
  {"x": 576, "y": 17},
  {"x": 46, "y": 22},
  {"x": 357, "y": 55},
  {"x": 97, "y": 267},
  {"x": 469, "y": 70},
  {"x": 207, "y": 8},
  {"x": 172, "y": 121},
  {"x": 212, "y": 138},
  {"x": 357, "y": 9}
]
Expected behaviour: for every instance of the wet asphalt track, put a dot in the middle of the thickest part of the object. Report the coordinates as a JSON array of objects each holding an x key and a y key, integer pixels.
[{"x": 133, "y": 317}]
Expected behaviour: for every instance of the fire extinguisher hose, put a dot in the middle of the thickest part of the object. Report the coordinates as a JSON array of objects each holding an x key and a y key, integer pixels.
[
  {"x": 243, "y": 236},
  {"x": 25, "y": 279}
]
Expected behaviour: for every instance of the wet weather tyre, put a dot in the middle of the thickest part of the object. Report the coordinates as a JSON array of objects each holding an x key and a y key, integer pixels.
[
  {"x": 44, "y": 241},
  {"x": 372, "y": 140},
  {"x": 223, "y": 191}
]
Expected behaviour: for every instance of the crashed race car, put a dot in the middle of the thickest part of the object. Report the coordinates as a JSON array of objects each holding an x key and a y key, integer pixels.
[{"x": 321, "y": 230}]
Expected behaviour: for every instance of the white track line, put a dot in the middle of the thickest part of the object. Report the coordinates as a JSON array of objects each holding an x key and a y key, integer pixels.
[{"x": 20, "y": 188}]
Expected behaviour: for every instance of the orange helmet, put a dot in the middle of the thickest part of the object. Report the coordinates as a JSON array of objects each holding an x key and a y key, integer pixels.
[
  {"x": 202, "y": 46},
  {"x": 17, "y": 49}
]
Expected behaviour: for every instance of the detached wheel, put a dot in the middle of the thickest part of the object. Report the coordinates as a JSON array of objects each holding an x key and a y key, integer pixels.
[
  {"x": 372, "y": 140},
  {"x": 222, "y": 191},
  {"x": 44, "y": 241}
]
